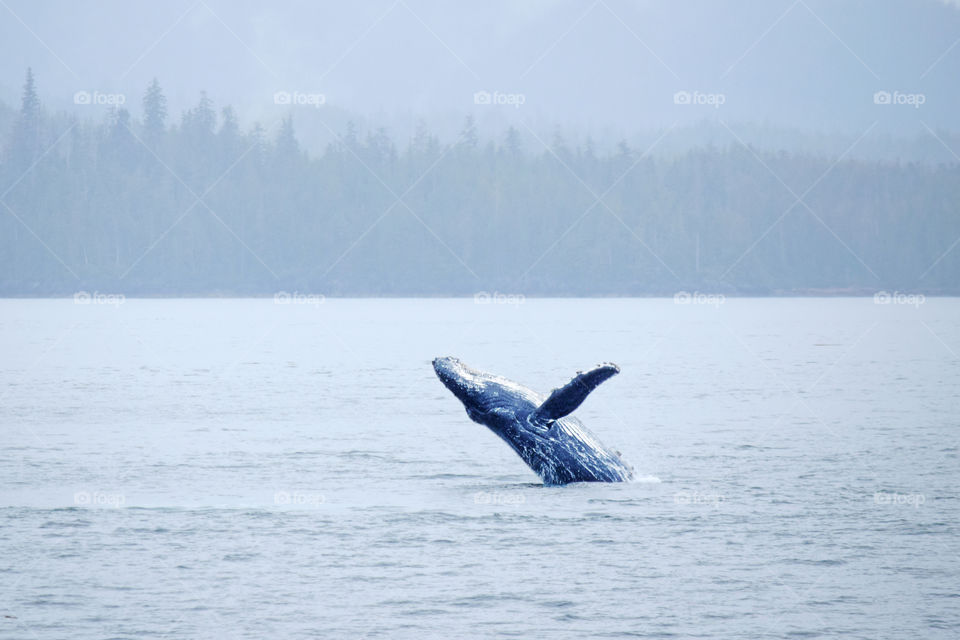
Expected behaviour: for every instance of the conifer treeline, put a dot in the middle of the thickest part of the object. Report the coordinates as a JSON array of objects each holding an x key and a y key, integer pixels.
[{"x": 140, "y": 205}]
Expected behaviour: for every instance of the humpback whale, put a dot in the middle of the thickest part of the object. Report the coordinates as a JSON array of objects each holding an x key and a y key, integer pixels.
[{"x": 541, "y": 430}]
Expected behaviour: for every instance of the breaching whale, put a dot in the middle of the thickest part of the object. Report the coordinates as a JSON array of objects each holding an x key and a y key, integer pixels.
[{"x": 551, "y": 441}]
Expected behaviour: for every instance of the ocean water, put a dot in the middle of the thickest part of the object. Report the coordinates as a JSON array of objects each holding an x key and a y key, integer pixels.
[{"x": 248, "y": 469}]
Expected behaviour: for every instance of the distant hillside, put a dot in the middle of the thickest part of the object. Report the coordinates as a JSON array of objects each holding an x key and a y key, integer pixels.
[{"x": 202, "y": 206}]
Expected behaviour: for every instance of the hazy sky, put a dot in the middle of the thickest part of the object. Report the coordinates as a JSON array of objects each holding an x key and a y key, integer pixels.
[{"x": 596, "y": 65}]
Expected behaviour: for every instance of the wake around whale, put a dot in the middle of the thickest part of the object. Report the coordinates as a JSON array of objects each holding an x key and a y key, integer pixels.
[{"x": 541, "y": 430}]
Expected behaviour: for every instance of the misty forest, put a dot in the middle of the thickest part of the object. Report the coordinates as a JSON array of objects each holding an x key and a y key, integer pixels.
[{"x": 148, "y": 202}]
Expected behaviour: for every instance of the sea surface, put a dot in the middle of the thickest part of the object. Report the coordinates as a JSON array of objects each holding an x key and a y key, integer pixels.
[{"x": 292, "y": 468}]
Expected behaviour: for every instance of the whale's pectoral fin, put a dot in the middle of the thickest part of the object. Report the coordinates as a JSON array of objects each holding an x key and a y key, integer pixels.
[{"x": 566, "y": 399}]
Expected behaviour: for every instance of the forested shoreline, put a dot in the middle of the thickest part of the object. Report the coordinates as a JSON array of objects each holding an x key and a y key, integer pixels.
[{"x": 147, "y": 204}]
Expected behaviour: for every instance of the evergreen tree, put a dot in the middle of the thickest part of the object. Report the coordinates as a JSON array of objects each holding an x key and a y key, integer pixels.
[
  {"x": 229, "y": 127},
  {"x": 154, "y": 112},
  {"x": 257, "y": 141},
  {"x": 512, "y": 141},
  {"x": 201, "y": 120},
  {"x": 468, "y": 135},
  {"x": 120, "y": 147},
  {"x": 228, "y": 137},
  {"x": 24, "y": 146},
  {"x": 287, "y": 145},
  {"x": 351, "y": 137}
]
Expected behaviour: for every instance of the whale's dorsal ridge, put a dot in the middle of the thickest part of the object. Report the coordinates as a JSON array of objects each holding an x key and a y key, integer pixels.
[{"x": 566, "y": 399}]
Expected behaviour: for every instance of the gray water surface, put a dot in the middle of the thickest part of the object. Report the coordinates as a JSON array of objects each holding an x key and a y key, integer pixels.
[{"x": 247, "y": 469}]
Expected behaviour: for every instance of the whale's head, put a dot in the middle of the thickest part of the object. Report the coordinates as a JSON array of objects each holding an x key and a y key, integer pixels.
[
  {"x": 481, "y": 393},
  {"x": 469, "y": 385}
]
